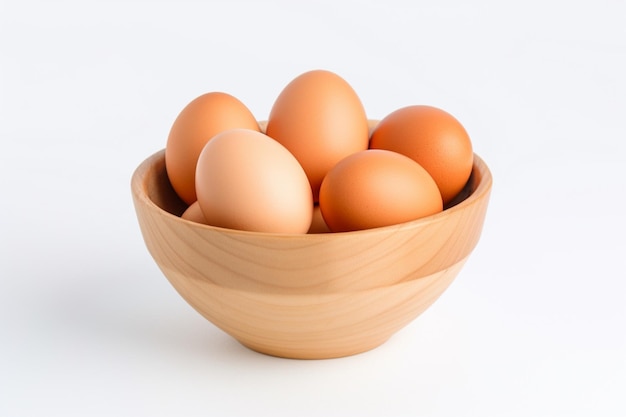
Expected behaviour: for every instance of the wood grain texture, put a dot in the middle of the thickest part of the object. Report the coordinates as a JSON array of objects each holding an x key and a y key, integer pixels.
[{"x": 308, "y": 296}]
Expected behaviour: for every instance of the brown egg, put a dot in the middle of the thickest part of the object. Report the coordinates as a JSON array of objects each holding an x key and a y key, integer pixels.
[
  {"x": 321, "y": 120},
  {"x": 245, "y": 180},
  {"x": 375, "y": 188},
  {"x": 194, "y": 213},
  {"x": 433, "y": 138},
  {"x": 203, "y": 118}
]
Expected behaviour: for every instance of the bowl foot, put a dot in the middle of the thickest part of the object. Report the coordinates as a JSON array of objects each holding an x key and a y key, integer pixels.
[{"x": 314, "y": 352}]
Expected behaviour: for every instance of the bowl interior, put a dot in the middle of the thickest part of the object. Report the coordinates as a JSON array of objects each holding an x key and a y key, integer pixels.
[{"x": 159, "y": 191}]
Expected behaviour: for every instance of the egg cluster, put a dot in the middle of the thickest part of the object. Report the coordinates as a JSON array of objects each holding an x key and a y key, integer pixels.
[{"x": 317, "y": 164}]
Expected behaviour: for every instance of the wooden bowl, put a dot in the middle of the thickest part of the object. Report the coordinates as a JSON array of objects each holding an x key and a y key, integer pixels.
[{"x": 308, "y": 296}]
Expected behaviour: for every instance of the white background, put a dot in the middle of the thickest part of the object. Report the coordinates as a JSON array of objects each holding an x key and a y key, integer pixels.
[{"x": 535, "y": 323}]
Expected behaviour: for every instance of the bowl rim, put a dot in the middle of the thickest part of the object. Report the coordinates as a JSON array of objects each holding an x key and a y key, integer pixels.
[{"x": 149, "y": 165}]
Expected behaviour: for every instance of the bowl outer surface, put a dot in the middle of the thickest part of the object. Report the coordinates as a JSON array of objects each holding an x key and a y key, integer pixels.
[
  {"x": 304, "y": 264},
  {"x": 308, "y": 296},
  {"x": 313, "y": 326}
]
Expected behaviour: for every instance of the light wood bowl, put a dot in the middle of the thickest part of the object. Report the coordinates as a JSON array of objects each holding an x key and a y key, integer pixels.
[{"x": 308, "y": 296}]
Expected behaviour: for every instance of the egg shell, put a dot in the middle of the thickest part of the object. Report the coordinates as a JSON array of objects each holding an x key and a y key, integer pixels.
[
  {"x": 247, "y": 181},
  {"x": 203, "y": 118},
  {"x": 433, "y": 138},
  {"x": 375, "y": 188},
  {"x": 319, "y": 117},
  {"x": 193, "y": 213}
]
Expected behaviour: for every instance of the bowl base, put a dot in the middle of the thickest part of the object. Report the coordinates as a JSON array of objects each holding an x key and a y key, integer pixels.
[{"x": 312, "y": 354}]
